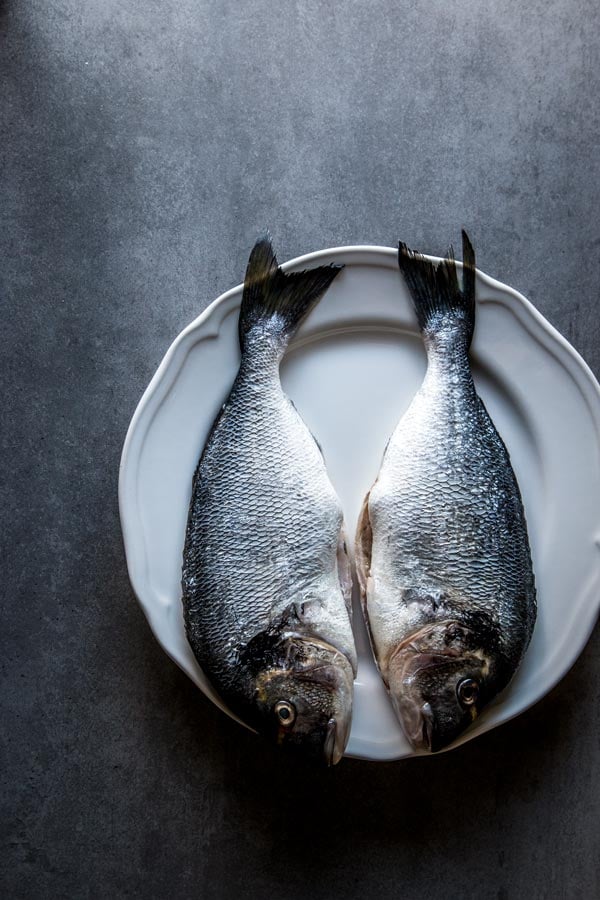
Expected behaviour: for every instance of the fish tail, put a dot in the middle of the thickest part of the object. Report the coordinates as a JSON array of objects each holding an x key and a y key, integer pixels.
[
  {"x": 438, "y": 300},
  {"x": 278, "y": 301}
]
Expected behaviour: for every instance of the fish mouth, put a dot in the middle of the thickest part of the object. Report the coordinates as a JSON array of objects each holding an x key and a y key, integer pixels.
[
  {"x": 417, "y": 722},
  {"x": 334, "y": 672},
  {"x": 414, "y": 713},
  {"x": 335, "y": 741},
  {"x": 337, "y": 677}
]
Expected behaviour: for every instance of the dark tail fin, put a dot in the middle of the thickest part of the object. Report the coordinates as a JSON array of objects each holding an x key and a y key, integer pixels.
[
  {"x": 282, "y": 299},
  {"x": 436, "y": 295}
]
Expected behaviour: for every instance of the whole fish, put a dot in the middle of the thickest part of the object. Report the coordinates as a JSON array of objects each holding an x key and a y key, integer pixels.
[
  {"x": 266, "y": 579},
  {"x": 443, "y": 554}
]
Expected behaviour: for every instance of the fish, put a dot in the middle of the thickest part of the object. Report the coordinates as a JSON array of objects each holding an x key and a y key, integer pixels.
[
  {"x": 266, "y": 577},
  {"x": 443, "y": 556}
]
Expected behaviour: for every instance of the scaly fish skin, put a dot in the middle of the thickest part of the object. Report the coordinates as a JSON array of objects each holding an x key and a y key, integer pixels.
[
  {"x": 443, "y": 551},
  {"x": 266, "y": 584}
]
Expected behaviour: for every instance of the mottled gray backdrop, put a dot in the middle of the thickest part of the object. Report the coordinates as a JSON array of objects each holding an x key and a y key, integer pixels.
[{"x": 144, "y": 144}]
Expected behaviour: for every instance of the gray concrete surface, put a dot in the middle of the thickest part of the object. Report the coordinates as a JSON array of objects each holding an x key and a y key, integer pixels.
[{"x": 143, "y": 145}]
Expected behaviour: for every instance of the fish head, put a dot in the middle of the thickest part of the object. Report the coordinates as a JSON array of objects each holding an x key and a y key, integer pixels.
[
  {"x": 304, "y": 701},
  {"x": 439, "y": 680}
]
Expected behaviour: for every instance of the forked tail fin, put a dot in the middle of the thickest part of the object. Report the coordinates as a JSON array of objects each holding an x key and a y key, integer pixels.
[
  {"x": 275, "y": 300},
  {"x": 438, "y": 300}
]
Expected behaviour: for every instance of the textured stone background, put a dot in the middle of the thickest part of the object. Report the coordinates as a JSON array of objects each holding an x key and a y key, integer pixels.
[{"x": 143, "y": 145}]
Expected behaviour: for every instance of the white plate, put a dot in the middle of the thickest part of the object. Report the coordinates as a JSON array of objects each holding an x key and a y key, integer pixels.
[{"x": 352, "y": 372}]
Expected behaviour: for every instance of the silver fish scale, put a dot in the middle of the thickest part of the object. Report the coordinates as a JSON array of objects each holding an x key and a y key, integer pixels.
[
  {"x": 447, "y": 518},
  {"x": 264, "y": 528}
]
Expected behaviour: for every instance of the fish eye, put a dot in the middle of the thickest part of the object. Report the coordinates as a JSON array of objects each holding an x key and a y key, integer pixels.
[
  {"x": 285, "y": 712},
  {"x": 467, "y": 691}
]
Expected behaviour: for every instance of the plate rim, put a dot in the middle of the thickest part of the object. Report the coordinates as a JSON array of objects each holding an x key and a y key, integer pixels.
[{"x": 359, "y": 254}]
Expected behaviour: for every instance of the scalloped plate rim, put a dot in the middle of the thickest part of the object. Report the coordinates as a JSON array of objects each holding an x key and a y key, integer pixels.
[{"x": 171, "y": 363}]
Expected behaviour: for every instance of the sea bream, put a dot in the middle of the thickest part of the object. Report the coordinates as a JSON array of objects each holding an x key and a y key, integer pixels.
[
  {"x": 443, "y": 553},
  {"x": 266, "y": 579}
]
